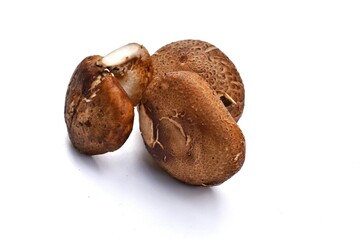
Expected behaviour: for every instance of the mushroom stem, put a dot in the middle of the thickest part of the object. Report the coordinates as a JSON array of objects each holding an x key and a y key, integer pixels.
[
  {"x": 131, "y": 66},
  {"x": 124, "y": 54},
  {"x": 228, "y": 97}
]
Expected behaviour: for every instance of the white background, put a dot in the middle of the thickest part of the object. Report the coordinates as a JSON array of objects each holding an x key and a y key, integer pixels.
[{"x": 299, "y": 61}]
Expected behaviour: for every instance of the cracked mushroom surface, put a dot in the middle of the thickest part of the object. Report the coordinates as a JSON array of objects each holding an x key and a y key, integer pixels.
[
  {"x": 188, "y": 130},
  {"x": 210, "y": 63}
]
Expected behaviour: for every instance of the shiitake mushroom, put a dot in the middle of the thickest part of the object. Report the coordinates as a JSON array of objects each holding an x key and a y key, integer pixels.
[
  {"x": 191, "y": 98},
  {"x": 100, "y": 100},
  {"x": 188, "y": 113},
  {"x": 188, "y": 131}
]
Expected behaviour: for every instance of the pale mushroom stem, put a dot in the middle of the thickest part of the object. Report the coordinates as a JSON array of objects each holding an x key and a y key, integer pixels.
[
  {"x": 228, "y": 97},
  {"x": 124, "y": 54},
  {"x": 134, "y": 79}
]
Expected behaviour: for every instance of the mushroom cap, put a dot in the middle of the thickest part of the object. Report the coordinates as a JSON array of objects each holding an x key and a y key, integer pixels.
[
  {"x": 210, "y": 63},
  {"x": 188, "y": 131},
  {"x": 98, "y": 113}
]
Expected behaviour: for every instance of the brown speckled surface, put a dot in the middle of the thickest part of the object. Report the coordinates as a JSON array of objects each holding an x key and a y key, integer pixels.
[{"x": 209, "y": 62}]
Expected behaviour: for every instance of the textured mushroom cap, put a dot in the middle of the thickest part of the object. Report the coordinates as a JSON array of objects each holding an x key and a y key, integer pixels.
[
  {"x": 98, "y": 113},
  {"x": 188, "y": 131},
  {"x": 210, "y": 63}
]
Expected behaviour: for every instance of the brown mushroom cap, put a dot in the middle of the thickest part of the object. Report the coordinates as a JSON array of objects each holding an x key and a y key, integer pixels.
[
  {"x": 98, "y": 113},
  {"x": 209, "y": 62},
  {"x": 188, "y": 131}
]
